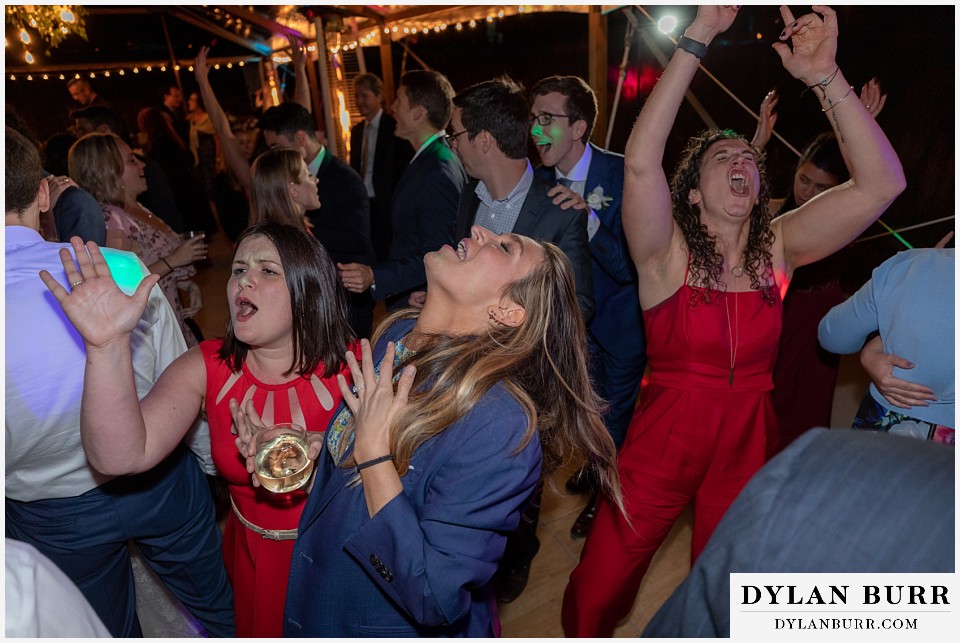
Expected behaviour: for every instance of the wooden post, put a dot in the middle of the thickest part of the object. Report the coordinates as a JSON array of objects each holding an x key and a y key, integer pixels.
[
  {"x": 331, "y": 124},
  {"x": 386, "y": 65},
  {"x": 597, "y": 68}
]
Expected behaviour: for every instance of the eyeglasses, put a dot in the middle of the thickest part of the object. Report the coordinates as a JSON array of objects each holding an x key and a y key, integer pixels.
[
  {"x": 452, "y": 137},
  {"x": 545, "y": 118}
]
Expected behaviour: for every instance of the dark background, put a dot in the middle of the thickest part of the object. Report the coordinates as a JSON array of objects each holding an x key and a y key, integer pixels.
[{"x": 909, "y": 49}]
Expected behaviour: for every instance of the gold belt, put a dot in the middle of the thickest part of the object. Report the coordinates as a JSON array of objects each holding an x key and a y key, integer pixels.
[{"x": 270, "y": 534}]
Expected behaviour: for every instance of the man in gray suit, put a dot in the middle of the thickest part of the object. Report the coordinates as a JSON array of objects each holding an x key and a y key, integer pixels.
[
  {"x": 489, "y": 131},
  {"x": 834, "y": 501}
]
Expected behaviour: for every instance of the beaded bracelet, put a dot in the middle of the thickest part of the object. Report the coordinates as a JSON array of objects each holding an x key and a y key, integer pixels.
[
  {"x": 833, "y": 105},
  {"x": 370, "y": 463}
]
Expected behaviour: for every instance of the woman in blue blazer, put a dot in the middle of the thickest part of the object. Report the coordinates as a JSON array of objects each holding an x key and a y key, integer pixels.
[{"x": 423, "y": 475}]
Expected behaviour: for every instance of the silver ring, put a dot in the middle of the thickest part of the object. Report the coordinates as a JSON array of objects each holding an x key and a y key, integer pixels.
[
  {"x": 74, "y": 284},
  {"x": 359, "y": 387}
]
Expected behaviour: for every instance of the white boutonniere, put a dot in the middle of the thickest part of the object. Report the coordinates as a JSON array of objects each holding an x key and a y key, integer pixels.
[{"x": 596, "y": 200}]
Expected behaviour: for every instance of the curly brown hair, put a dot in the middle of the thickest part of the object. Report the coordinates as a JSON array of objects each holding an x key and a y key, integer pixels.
[{"x": 706, "y": 263}]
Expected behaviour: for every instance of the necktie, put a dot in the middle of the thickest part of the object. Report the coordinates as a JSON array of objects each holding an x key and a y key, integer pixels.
[
  {"x": 363, "y": 163},
  {"x": 567, "y": 183}
]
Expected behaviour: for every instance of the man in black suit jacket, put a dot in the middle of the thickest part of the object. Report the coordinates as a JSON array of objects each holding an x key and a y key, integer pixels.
[
  {"x": 378, "y": 157},
  {"x": 342, "y": 223},
  {"x": 424, "y": 206}
]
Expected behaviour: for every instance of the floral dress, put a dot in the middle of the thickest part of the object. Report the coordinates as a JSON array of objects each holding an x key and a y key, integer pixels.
[{"x": 151, "y": 243}]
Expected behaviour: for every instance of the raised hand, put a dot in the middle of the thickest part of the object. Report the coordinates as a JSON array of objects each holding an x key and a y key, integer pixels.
[
  {"x": 101, "y": 313},
  {"x": 768, "y": 118},
  {"x": 872, "y": 98},
  {"x": 297, "y": 53},
  {"x": 200, "y": 69},
  {"x": 896, "y": 391},
  {"x": 373, "y": 402},
  {"x": 712, "y": 20},
  {"x": 814, "y": 44}
]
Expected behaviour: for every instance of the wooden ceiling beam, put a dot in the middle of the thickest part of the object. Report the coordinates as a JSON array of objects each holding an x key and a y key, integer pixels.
[
  {"x": 260, "y": 48},
  {"x": 263, "y": 22}
]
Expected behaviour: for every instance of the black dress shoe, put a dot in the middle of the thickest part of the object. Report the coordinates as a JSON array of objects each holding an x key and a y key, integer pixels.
[
  {"x": 511, "y": 579},
  {"x": 583, "y": 481},
  {"x": 583, "y": 522}
]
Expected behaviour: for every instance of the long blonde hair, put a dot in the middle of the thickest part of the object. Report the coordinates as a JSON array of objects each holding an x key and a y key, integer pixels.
[
  {"x": 270, "y": 177},
  {"x": 95, "y": 163},
  {"x": 542, "y": 364}
]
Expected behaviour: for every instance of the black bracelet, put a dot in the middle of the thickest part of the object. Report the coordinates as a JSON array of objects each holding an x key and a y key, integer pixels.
[
  {"x": 370, "y": 463},
  {"x": 692, "y": 46},
  {"x": 167, "y": 262}
]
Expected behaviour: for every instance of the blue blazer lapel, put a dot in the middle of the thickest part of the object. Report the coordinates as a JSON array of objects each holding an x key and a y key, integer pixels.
[{"x": 331, "y": 479}]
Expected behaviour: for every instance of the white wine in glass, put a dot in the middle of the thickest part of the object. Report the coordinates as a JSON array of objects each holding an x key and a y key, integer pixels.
[{"x": 282, "y": 464}]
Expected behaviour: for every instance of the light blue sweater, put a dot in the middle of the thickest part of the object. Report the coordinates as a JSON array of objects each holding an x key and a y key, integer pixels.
[{"x": 910, "y": 300}]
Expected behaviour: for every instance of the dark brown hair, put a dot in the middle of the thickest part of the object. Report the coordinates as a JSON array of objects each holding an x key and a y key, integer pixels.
[
  {"x": 318, "y": 303},
  {"x": 706, "y": 263}
]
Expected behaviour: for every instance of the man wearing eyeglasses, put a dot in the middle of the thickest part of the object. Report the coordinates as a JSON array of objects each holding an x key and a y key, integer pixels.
[
  {"x": 424, "y": 207},
  {"x": 590, "y": 180},
  {"x": 490, "y": 134}
]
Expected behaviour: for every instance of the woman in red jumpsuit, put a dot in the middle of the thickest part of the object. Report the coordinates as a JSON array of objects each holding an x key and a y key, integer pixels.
[{"x": 713, "y": 269}]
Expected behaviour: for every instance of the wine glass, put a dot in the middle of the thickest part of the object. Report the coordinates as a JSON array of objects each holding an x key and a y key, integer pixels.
[{"x": 281, "y": 463}]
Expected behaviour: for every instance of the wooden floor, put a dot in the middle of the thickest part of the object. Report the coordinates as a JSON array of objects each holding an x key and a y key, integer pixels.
[{"x": 536, "y": 613}]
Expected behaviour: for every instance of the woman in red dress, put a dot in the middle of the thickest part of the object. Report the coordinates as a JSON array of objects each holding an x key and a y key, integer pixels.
[{"x": 286, "y": 342}]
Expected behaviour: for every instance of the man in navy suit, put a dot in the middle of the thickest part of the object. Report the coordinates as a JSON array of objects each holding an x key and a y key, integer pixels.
[
  {"x": 424, "y": 207},
  {"x": 490, "y": 134},
  {"x": 590, "y": 179},
  {"x": 378, "y": 157},
  {"x": 342, "y": 223}
]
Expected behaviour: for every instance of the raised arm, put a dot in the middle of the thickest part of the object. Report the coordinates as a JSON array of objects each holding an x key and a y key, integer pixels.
[
  {"x": 830, "y": 221},
  {"x": 117, "y": 436},
  {"x": 233, "y": 155},
  {"x": 647, "y": 213},
  {"x": 302, "y": 89}
]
